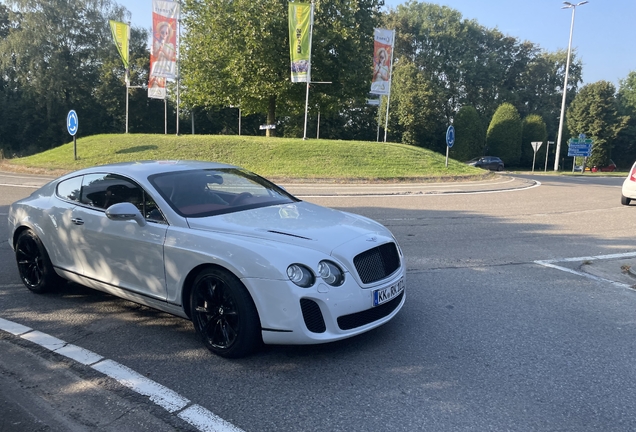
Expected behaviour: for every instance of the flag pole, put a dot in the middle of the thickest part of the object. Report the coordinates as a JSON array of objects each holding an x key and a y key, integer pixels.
[
  {"x": 178, "y": 61},
  {"x": 127, "y": 78},
  {"x": 311, "y": 31}
]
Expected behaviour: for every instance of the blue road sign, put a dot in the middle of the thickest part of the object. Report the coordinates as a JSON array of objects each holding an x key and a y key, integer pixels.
[
  {"x": 72, "y": 122},
  {"x": 580, "y": 146},
  {"x": 450, "y": 136}
]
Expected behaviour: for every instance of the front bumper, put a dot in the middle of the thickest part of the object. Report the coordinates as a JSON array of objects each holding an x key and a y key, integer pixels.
[{"x": 293, "y": 315}]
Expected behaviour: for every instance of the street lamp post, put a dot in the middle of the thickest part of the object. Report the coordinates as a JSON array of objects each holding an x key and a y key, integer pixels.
[{"x": 572, "y": 6}]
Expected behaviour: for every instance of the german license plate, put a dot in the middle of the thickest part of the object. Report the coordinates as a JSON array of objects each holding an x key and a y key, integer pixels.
[{"x": 389, "y": 293}]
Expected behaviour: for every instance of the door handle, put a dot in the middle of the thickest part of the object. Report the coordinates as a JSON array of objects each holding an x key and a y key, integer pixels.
[{"x": 77, "y": 221}]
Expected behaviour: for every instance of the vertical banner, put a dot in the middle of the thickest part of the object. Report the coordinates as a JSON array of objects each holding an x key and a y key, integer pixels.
[
  {"x": 382, "y": 61},
  {"x": 119, "y": 31},
  {"x": 163, "y": 57},
  {"x": 157, "y": 87},
  {"x": 299, "y": 40}
]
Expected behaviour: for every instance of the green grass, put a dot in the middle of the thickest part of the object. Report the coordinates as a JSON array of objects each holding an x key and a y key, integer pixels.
[{"x": 269, "y": 157}]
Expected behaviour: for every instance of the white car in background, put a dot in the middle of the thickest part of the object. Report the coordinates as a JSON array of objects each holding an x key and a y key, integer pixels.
[
  {"x": 243, "y": 259},
  {"x": 629, "y": 187}
]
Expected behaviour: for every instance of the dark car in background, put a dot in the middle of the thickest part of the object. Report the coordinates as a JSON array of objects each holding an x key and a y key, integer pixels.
[{"x": 492, "y": 163}]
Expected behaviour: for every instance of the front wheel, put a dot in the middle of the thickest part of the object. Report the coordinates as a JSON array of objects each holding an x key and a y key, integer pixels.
[
  {"x": 625, "y": 200},
  {"x": 223, "y": 314},
  {"x": 34, "y": 265}
]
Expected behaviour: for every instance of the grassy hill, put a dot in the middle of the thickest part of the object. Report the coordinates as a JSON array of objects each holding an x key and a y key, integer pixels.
[{"x": 278, "y": 158}]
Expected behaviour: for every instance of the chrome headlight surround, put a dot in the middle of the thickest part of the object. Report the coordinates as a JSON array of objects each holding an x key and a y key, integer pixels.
[
  {"x": 331, "y": 273},
  {"x": 301, "y": 275}
]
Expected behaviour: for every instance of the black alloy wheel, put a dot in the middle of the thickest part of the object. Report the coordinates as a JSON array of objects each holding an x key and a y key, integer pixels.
[
  {"x": 34, "y": 265},
  {"x": 223, "y": 314}
]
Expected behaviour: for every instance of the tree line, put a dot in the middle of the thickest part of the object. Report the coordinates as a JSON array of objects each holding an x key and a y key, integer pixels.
[{"x": 500, "y": 93}]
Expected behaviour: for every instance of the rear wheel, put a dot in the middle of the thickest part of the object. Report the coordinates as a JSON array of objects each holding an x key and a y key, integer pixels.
[
  {"x": 34, "y": 265},
  {"x": 500, "y": 168},
  {"x": 223, "y": 314},
  {"x": 625, "y": 200}
]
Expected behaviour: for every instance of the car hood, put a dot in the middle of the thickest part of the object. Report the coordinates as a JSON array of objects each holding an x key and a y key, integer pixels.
[{"x": 301, "y": 224}]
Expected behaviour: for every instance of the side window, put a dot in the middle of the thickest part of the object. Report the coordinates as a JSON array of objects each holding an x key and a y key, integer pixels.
[
  {"x": 70, "y": 189},
  {"x": 103, "y": 190}
]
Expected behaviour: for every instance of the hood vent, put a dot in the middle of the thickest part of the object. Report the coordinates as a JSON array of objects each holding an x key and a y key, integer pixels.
[{"x": 289, "y": 234}]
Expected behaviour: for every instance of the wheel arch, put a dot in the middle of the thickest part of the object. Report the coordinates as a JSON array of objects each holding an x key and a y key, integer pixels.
[{"x": 188, "y": 283}]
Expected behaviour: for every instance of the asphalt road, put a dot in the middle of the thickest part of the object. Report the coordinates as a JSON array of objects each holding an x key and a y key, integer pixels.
[{"x": 487, "y": 340}]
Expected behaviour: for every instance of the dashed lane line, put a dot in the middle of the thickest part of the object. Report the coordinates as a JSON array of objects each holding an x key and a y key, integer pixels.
[{"x": 196, "y": 415}]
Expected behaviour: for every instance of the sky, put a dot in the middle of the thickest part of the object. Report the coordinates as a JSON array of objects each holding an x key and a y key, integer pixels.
[{"x": 604, "y": 30}]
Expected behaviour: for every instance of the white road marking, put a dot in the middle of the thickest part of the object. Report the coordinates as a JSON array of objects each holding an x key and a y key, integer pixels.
[
  {"x": 199, "y": 417},
  {"x": 551, "y": 264},
  {"x": 22, "y": 186},
  {"x": 205, "y": 421},
  {"x": 419, "y": 194},
  {"x": 162, "y": 396}
]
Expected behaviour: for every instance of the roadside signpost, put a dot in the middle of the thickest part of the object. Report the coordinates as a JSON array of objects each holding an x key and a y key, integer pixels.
[
  {"x": 580, "y": 147},
  {"x": 72, "y": 124},
  {"x": 547, "y": 152},
  {"x": 450, "y": 140},
  {"x": 535, "y": 146}
]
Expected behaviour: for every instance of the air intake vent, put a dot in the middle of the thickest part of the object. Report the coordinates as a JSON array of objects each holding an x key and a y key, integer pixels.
[
  {"x": 348, "y": 322},
  {"x": 313, "y": 316}
]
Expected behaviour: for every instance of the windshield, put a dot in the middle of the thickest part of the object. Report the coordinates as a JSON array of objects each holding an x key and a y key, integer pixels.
[{"x": 201, "y": 193}]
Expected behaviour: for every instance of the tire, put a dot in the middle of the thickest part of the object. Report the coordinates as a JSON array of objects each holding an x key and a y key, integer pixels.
[
  {"x": 224, "y": 314},
  {"x": 34, "y": 265},
  {"x": 500, "y": 168},
  {"x": 625, "y": 200}
]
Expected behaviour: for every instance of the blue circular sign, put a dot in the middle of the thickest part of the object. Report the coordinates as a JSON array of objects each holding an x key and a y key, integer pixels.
[
  {"x": 450, "y": 136},
  {"x": 72, "y": 122}
]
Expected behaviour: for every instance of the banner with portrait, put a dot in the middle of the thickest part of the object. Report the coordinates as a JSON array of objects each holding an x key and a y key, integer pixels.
[
  {"x": 163, "y": 54},
  {"x": 119, "y": 31},
  {"x": 157, "y": 87},
  {"x": 299, "y": 40},
  {"x": 382, "y": 61}
]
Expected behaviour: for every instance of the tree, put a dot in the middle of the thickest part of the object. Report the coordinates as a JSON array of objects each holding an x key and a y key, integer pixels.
[
  {"x": 414, "y": 107},
  {"x": 504, "y": 135},
  {"x": 625, "y": 145},
  {"x": 594, "y": 112},
  {"x": 533, "y": 130},
  {"x": 238, "y": 53},
  {"x": 51, "y": 59},
  {"x": 469, "y": 135}
]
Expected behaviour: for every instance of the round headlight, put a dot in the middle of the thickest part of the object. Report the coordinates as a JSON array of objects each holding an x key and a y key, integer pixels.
[
  {"x": 300, "y": 275},
  {"x": 330, "y": 273}
]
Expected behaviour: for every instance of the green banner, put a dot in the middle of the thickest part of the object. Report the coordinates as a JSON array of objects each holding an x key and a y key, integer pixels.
[
  {"x": 120, "y": 36},
  {"x": 299, "y": 40}
]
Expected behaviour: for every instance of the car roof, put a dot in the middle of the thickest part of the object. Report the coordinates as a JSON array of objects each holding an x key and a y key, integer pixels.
[{"x": 144, "y": 169}]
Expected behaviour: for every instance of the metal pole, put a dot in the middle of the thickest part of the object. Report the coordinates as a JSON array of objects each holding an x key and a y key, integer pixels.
[
  {"x": 311, "y": 30},
  {"x": 388, "y": 97},
  {"x": 127, "y": 78},
  {"x": 565, "y": 83},
  {"x": 178, "y": 62},
  {"x": 192, "y": 114},
  {"x": 126, "y": 100},
  {"x": 165, "y": 115},
  {"x": 379, "y": 119},
  {"x": 239, "y": 121},
  {"x": 318, "y": 126}
]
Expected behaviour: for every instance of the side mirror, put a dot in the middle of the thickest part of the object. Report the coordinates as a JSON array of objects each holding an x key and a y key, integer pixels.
[{"x": 125, "y": 211}]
